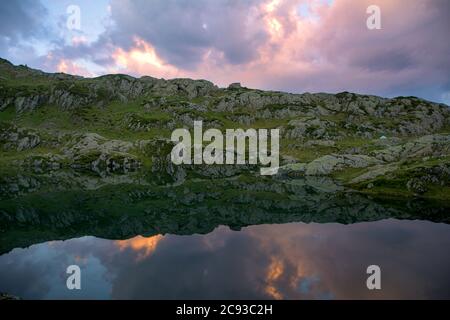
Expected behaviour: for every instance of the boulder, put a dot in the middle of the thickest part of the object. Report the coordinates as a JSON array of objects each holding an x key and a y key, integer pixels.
[
  {"x": 19, "y": 139},
  {"x": 374, "y": 172}
]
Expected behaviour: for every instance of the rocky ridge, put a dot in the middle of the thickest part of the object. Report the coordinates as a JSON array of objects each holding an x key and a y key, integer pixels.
[{"x": 119, "y": 124}]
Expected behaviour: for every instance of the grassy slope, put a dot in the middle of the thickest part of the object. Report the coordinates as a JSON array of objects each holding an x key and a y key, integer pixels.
[{"x": 109, "y": 121}]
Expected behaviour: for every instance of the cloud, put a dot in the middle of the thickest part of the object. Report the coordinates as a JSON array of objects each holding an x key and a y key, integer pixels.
[
  {"x": 182, "y": 32},
  {"x": 20, "y": 22},
  {"x": 20, "y": 19},
  {"x": 289, "y": 45},
  {"x": 409, "y": 52},
  {"x": 71, "y": 67},
  {"x": 328, "y": 49}
]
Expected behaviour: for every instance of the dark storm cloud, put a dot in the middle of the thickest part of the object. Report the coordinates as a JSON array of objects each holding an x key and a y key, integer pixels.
[
  {"x": 20, "y": 19},
  {"x": 20, "y": 22},
  {"x": 183, "y": 31},
  {"x": 385, "y": 60},
  {"x": 98, "y": 52},
  {"x": 408, "y": 56}
]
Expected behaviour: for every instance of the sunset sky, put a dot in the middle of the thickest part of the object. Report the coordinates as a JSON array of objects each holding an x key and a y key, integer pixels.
[{"x": 288, "y": 45}]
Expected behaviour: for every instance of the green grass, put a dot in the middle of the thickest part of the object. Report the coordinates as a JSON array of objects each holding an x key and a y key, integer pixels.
[
  {"x": 394, "y": 184},
  {"x": 303, "y": 153},
  {"x": 107, "y": 121},
  {"x": 348, "y": 174},
  {"x": 267, "y": 123},
  {"x": 9, "y": 114},
  {"x": 388, "y": 192},
  {"x": 48, "y": 117},
  {"x": 445, "y": 129},
  {"x": 353, "y": 142},
  {"x": 9, "y": 156},
  {"x": 438, "y": 193}
]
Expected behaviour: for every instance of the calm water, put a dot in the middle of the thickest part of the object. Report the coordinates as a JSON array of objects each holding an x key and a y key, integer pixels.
[
  {"x": 216, "y": 239},
  {"x": 291, "y": 261}
]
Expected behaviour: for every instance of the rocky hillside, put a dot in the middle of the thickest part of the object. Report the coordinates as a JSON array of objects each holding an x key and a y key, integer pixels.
[{"x": 117, "y": 124}]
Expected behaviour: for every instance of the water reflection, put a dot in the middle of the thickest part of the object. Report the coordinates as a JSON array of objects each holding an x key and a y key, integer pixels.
[
  {"x": 145, "y": 246},
  {"x": 239, "y": 237},
  {"x": 124, "y": 210},
  {"x": 286, "y": 261}
]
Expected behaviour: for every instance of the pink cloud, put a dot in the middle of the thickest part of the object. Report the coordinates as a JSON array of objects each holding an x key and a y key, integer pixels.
[
  {"x": 327, "y": 49},
  {"x": 142, "y": 59},
  {"x": 70, "y": 67}
]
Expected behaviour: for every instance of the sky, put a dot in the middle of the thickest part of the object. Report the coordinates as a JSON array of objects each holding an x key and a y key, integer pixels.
[{"x": 289, "y": 45}]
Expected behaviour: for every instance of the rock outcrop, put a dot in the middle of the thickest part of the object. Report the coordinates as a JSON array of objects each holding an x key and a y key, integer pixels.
[
  {"x": 53, "y": 122},
  {"x": 19, "y": 139}
]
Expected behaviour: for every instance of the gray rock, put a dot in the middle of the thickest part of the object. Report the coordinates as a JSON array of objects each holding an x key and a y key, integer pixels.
[
  {"x": 431, "y": 145},
  {"x": 331, "y": 163},
  {"x": 19, "y": 139},
  {"x": 374, "y": 172},
  {"x": 417, "y": 186},
  {"x": 235, "y": 85}
]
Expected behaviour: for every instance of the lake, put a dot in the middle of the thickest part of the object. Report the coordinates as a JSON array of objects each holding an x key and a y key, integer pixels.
[{"x": 222, "y": 239}]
